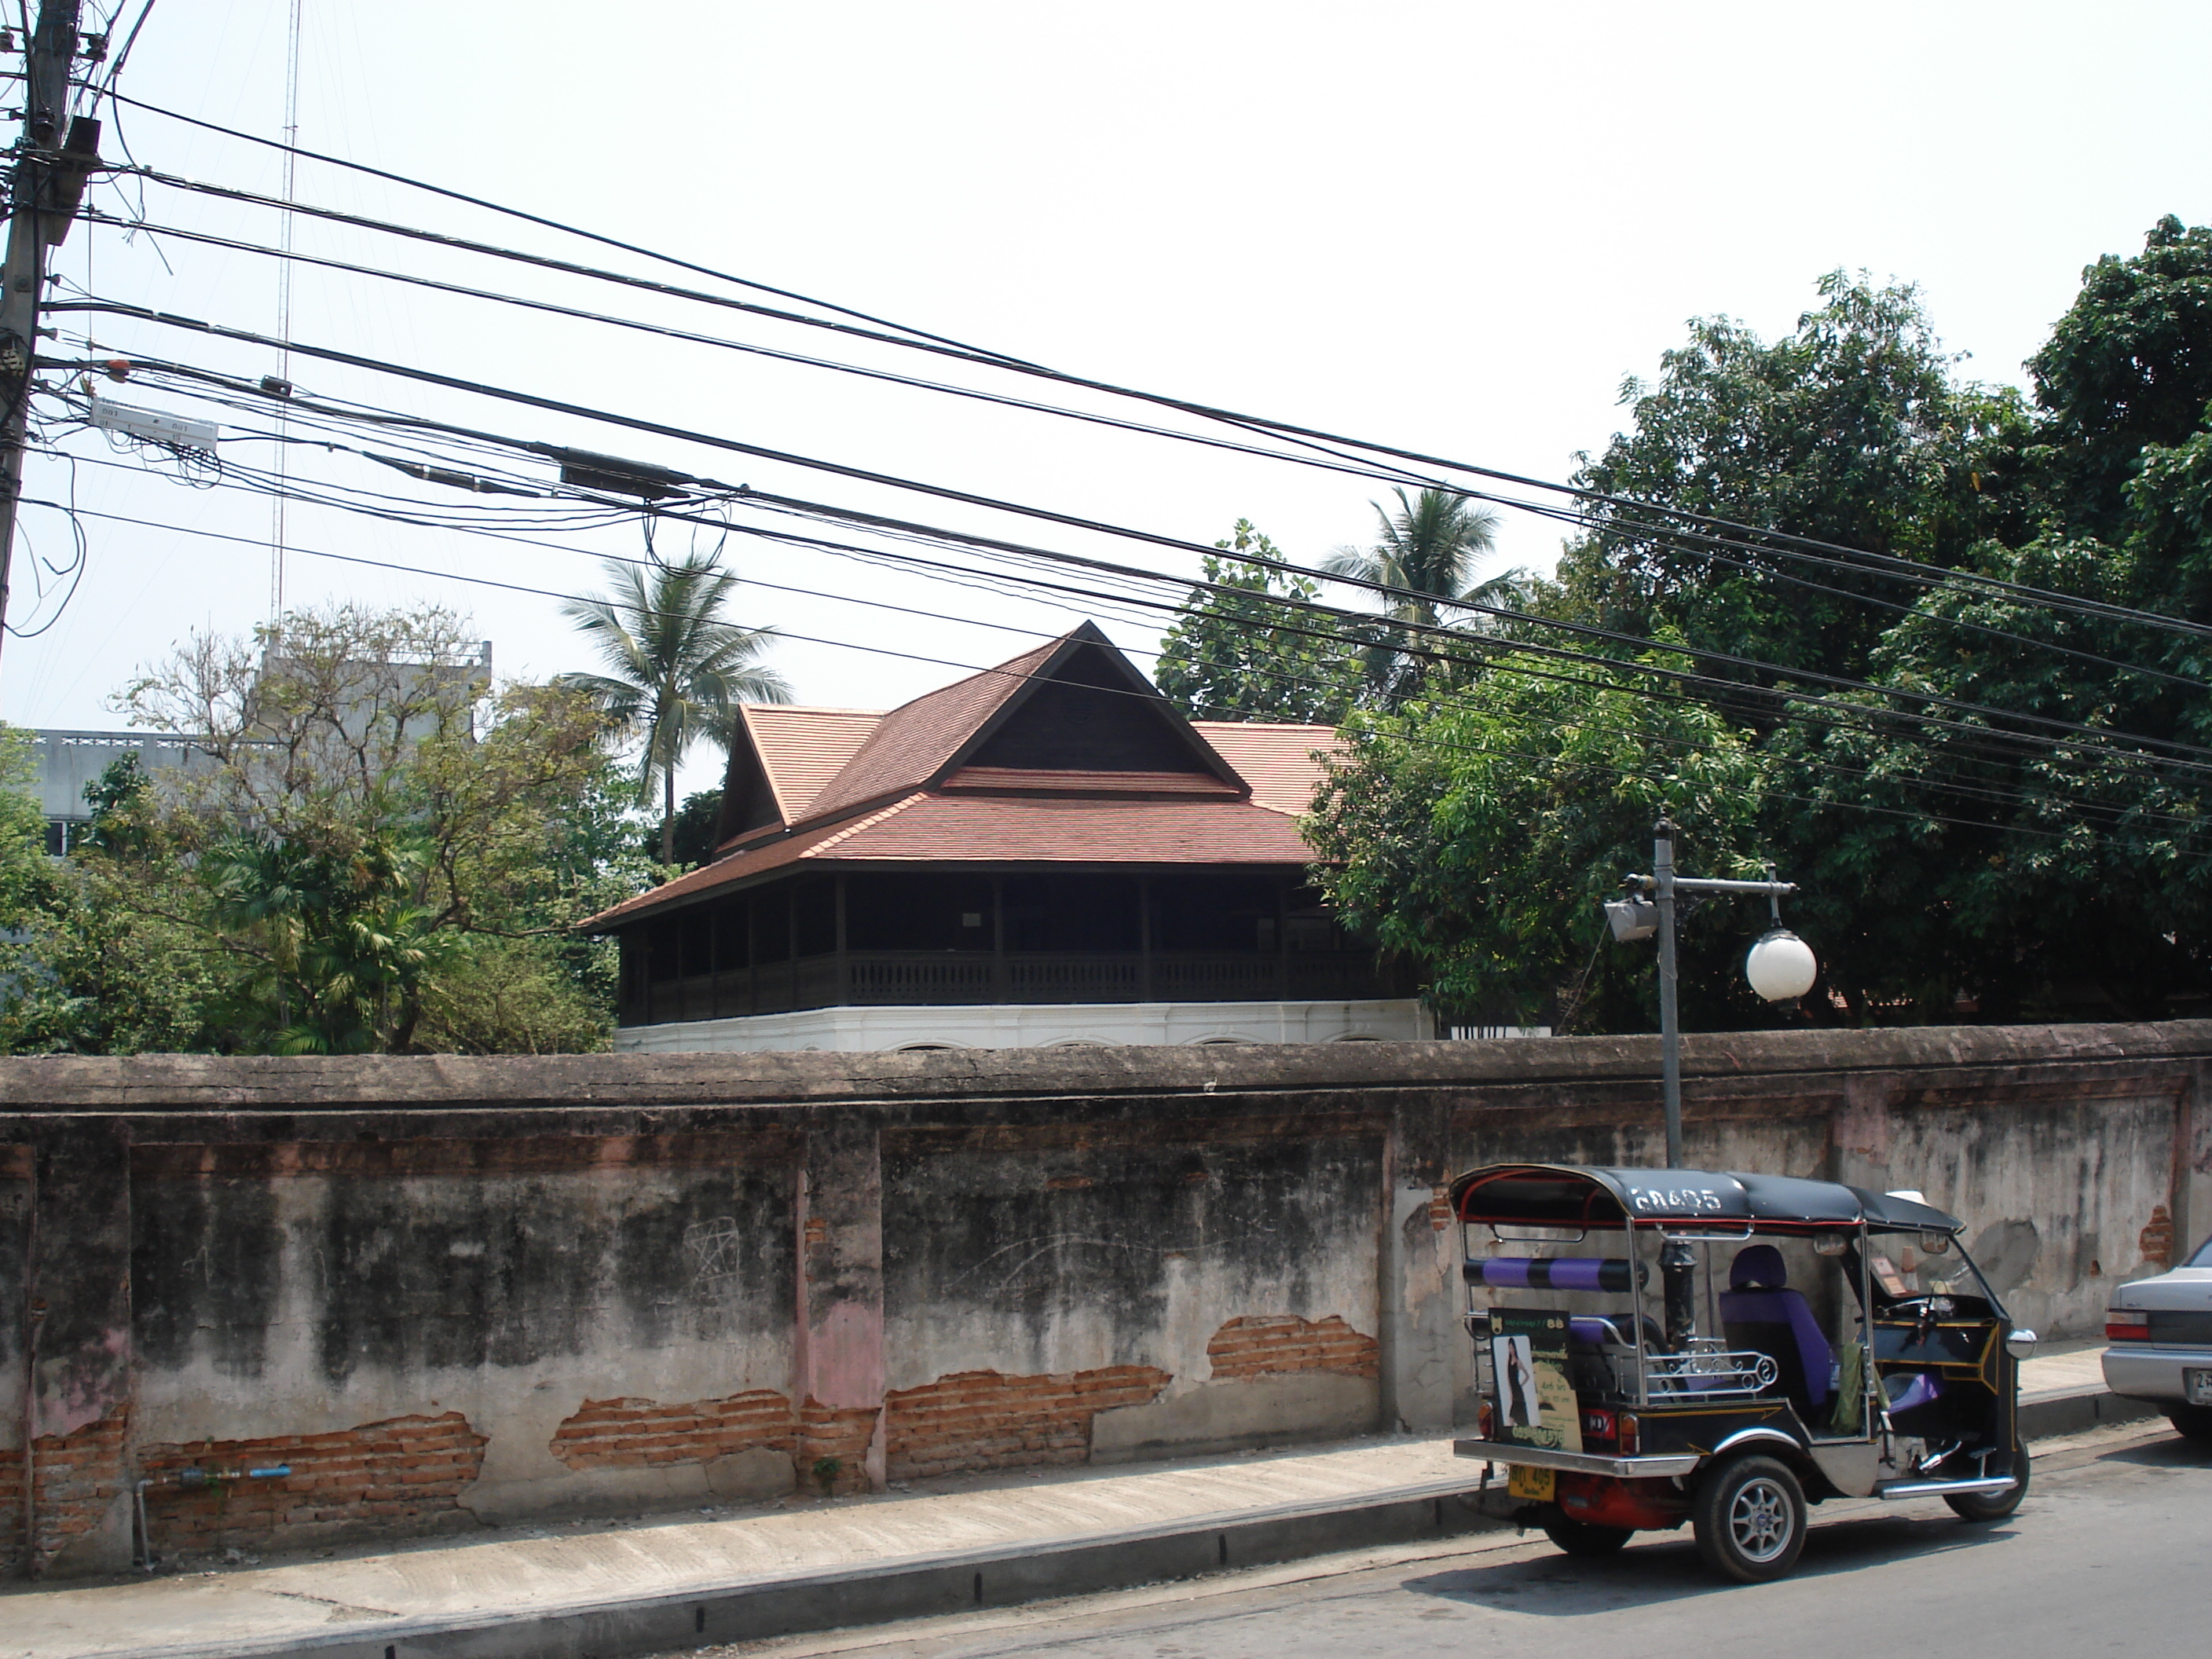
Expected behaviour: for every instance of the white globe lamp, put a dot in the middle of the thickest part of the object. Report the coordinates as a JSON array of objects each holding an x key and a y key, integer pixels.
[{"x": 1781, "y": 966}]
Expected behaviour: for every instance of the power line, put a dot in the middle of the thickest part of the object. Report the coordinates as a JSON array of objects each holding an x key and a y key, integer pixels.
[
  {"x": 1916, "y": 816},
  {"x": 1846, "y": 714},
  {"x": 554, "y": 224},
  {"x": 1993, "y": 795},
  {"x": 1075, "y": 522},
  {"x": 1926, "y": 577},
  {"x": 1777, "y": 543}
]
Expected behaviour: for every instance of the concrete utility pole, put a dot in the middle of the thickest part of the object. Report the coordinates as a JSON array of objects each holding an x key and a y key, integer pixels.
[{"x": 51, "y": 169}]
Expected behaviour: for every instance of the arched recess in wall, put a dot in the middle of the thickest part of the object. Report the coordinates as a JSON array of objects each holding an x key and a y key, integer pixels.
[
  {"x": 927, "y": 1048},
  {"x": 1227, "y": 1042}
]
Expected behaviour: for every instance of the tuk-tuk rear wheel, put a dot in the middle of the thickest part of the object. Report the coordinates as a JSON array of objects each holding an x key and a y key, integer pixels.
[
  {"x": 1995, "y": 1506},
  {"x": 1587, "y": 1537},
  {"x": 1749, "y": 1518}
]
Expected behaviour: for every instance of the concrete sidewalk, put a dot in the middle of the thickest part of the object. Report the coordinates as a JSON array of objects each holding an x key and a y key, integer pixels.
[{"x": 667, "y": 1583}]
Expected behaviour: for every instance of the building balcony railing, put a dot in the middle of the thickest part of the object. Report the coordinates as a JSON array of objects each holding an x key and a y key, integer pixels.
[{"x": 933, "y": 979}]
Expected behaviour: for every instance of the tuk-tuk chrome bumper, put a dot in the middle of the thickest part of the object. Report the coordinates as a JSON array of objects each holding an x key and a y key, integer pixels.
[{"x": 1537, "y": 1457}]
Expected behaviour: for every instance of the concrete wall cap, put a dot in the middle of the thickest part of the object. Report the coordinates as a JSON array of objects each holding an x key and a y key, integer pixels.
[{"x": 160, "y": 1082}]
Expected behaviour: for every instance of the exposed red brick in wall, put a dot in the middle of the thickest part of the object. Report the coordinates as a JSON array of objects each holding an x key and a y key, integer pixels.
[
  {"x": 982, "y": 1420},
  {"x": 2157, "y": 1240},
  {"x": 11, "y": 1512},
  {"x": 629, "y": 1433},
  {"x": 400, "y": 1475},
  {"x": 79, "y": 1476},
  {"x": 1267, "y": 1344},
  {"x": 827, "y": 1431}
]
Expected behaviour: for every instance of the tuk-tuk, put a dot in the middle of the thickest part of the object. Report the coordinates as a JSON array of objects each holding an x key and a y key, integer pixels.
[{"x": 1654, "y": 1346}]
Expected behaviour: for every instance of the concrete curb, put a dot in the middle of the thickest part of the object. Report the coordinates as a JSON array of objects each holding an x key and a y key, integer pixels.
[
  {"x": 879, "y": 1592},
  {"x": 2078, "y": 1410},
  {"x": 882, "y": 1591}
]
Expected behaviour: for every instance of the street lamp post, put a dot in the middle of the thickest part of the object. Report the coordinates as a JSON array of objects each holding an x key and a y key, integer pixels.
[{"x": 1780, "y": 966}]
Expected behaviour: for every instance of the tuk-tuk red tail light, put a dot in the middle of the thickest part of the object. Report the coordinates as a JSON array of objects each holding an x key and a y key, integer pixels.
[
  {"x": 1486, "y": 1420},
  {"x": 1628, "y": 1441},
  {"x": 2127, "y": 1325}
]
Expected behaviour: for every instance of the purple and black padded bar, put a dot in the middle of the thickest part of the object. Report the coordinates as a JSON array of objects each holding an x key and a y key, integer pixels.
[{"x": 1568, "y": 1272}]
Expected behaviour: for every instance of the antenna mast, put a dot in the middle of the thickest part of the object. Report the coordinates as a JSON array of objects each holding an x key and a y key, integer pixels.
[{"x": 284, "y": 321}]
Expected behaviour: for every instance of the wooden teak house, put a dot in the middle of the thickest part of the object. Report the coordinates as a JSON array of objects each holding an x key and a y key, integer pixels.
[{"x": 1045, "y": 851}]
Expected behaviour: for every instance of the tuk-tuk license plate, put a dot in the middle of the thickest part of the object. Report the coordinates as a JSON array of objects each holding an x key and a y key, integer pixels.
[
  {"x": 1536, "y": 1485},
  {"x": 2196, "y": 1384}
]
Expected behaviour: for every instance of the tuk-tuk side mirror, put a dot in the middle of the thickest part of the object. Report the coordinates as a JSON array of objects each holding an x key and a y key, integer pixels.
[
  {"x": 1934, "y": 1244},
  {"x": 2020, "y": 1344},
  {"x": 1830, "y": 1244}
]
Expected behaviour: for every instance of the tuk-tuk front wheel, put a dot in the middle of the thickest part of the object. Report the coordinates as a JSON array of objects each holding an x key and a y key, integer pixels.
[
  {"x": 1587, "y": 1537},
  {"x": 1995, "y": 1506},
  {"x": 1749, "y": 1517}
]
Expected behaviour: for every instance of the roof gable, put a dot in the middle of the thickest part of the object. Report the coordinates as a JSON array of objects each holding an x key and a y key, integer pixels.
[
  {"x": 1089, "y": 710},
  {"x": 780, "y": 756},
  {"x": 1075, "y": 704},
  {"x": 912, "y": 744}
]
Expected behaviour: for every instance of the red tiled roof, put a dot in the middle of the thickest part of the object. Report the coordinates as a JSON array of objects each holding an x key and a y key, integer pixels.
[
  {"x": 802, "y": 748},
  {"x": 1068, "y": 830},
  {"x": 1012, "y": 830},
  {"x": 1277, "y": 761},
  {"x": 913, "y": 741},
  {"x": 854, "y": 786}
]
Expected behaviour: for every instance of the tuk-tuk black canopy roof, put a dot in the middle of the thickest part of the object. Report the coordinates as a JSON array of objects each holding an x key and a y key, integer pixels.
[{"x": 1577, "y": 1195}]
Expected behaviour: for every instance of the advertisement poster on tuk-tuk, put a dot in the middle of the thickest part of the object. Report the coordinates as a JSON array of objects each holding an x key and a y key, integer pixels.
[{"x": 1535, "y": 1399}]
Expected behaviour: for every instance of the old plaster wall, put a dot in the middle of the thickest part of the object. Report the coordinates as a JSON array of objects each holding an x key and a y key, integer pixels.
[
  {"x": 444, "y": 1293},
  {"x": 295, "y": 1289},
  {"x": 1071, "y": 1249}
]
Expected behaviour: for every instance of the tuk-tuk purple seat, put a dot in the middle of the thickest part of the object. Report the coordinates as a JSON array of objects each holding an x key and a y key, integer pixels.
[{"x": 1760, "y": 1312}]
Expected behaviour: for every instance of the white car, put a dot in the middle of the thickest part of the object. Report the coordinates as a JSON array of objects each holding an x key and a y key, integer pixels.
[{"x": 2160, "y": 1332}]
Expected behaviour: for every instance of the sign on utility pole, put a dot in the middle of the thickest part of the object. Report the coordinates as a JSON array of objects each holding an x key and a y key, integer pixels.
[{"x": 51, "y": 165}]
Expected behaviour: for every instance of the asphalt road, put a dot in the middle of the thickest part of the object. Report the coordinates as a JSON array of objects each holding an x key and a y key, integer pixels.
[{"x": 2107, "y": 1555}]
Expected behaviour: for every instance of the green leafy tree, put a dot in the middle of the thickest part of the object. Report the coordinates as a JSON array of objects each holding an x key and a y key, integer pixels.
[
  {"x": 2040, "y": 878},
  {"x": 2126, "y": 374},
  {"x": 102, "y": 968},
  {"x": 370, "y": 834},
  {"x": 694, "y": 841},
  {"x": 338, "y": 949},
  {"x": 1850, "y": 430},
  {"x": 676, "y": 670},
  {"x": 1939, "y": 858},
  {"x": 1939, "y": 861},
  {"x": 1246, "y": 654},
  {"x": 1481, "y": 833},
  {"x": 1430, "y": 548}
]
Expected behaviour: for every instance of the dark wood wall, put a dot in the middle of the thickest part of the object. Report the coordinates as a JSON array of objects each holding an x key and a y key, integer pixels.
[{"x": 899, "y": 938}]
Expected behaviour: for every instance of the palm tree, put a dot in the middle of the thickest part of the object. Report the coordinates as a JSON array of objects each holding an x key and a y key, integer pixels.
[
  {"x": 1427, "y": 551},
  {"x": 679, "y": 670}
]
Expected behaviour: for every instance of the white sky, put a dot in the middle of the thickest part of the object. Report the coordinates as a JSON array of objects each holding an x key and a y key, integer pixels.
[{"x": 1453, "y": 227}]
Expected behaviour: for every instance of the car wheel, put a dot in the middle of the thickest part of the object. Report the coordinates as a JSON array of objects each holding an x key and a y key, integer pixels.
[
  {"x": 2192, "y": 1422},
  {"x": 1749, "y": 1517},
  {"x": 1995, "y": 1506},
  {"x": 1586, "y": 1537}
]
